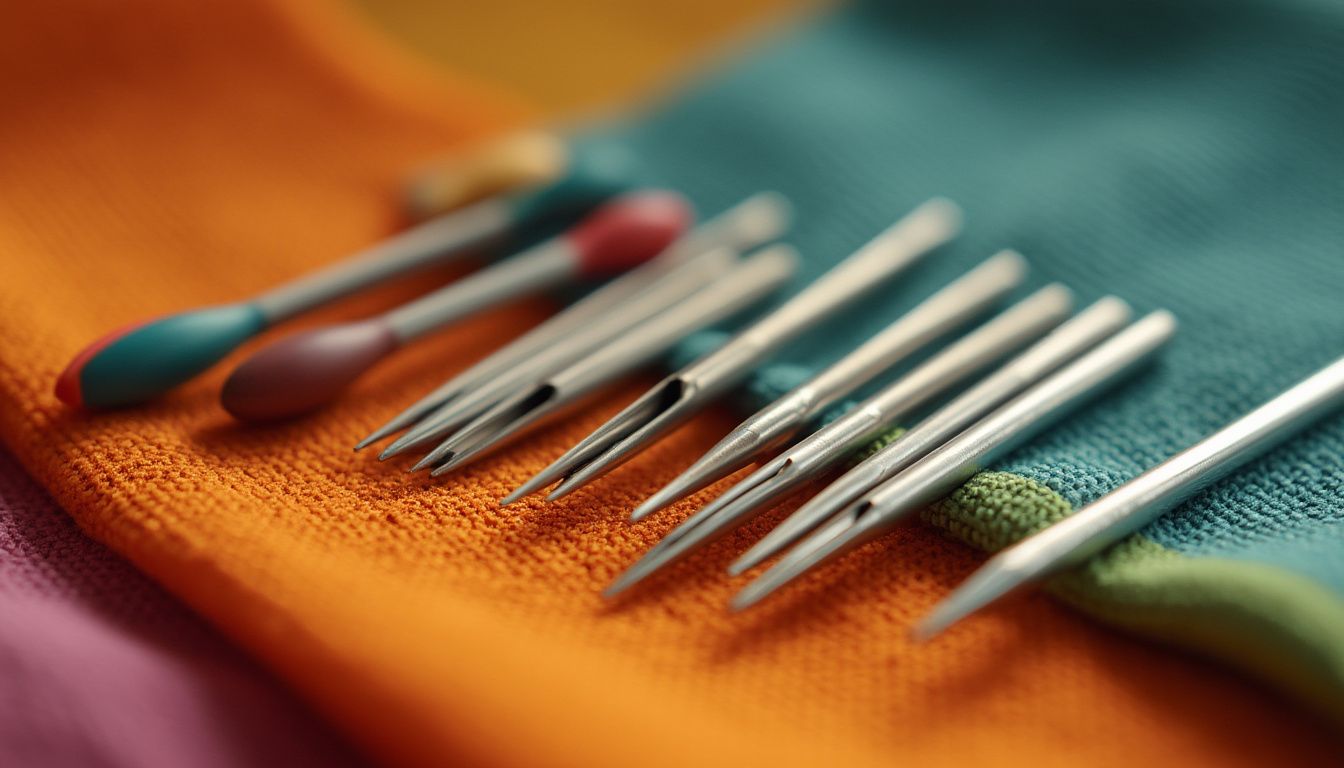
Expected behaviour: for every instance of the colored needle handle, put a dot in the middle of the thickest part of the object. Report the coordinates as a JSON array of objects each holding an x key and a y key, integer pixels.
[
  {"x": 621, "y": 234},
  {"x": 594, "y": 174}
]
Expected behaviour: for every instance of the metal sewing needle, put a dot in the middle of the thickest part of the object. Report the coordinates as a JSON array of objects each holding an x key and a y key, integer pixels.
[
  {"x": 755, "y": 278},
  {"x": 1133, "y": 505},
  {"x": 945, "y": 469},
  {"x": 676, "y": 286},
  {"x": 757, "y": 220},
  {"x": 940, "y": 314},
  {"x": 681, "y": 395},
  {"x": 1013, "y": 329},
  {"x": 1063, "y": 344},
  {"x": 303, "y": 372}
]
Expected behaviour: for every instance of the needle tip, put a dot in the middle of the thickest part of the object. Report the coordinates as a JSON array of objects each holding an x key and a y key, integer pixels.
[
  {"x": 935, "y": 623},
  {"x": 664, "y": 496},
  {"x": 513, "y": 498},
  {"x": 925, "y": 631},
  {"x": 745, "y": 599},
  {"x": 740, "y": 566},
  {"x": 615, "y": 588},
  {"x": 634, "y": 574},
  {"x": 759, "y": 552},
  {"x": 565, "y": 488},
  {"x": 428, "y": 460},
  {"x": 455, "y": 460},
  {"x": 986, "y": 586}
]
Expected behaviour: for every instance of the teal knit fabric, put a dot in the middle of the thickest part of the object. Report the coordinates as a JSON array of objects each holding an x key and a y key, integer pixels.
[{"x": 1187, "y": 155}]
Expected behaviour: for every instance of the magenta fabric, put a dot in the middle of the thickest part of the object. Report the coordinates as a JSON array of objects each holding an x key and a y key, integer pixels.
[{"x": 100, "y": 667}]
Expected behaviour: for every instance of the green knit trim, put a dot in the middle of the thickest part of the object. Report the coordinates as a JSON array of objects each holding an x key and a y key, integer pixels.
[
  {"x": 885, "y": 439},
  {"x": 1275, "y": 623}
]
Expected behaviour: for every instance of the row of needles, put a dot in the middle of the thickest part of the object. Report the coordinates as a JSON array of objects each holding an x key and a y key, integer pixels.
[{"x": 956, "y": 383}]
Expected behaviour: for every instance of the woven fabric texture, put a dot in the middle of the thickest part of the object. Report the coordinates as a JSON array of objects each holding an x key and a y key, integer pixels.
[
  {"x": 1175, "y": 154},
  {"x": 103, "y": 668},
  {"x": 1180, "y": 155},
  {"x": 171, "y": 155},
  {"x": 1272, "y": 621}
]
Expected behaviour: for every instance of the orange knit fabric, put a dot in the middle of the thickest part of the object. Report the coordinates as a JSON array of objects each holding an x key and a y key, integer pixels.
[{"x": 157, "y": 155}]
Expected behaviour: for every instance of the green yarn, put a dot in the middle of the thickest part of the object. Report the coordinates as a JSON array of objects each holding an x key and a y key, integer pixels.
[
  {"x": 886, "y": 438},
  {"x": 1271, "y": 621}
]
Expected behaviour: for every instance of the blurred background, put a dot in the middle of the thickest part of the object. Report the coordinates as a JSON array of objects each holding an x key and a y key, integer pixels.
[{"x": 588, "y": 65}]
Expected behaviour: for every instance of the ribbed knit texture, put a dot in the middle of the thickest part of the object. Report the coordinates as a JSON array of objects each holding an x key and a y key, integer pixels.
[
  {"x": 173, "y": 154},
  {"x": 1270, "y": 620}
]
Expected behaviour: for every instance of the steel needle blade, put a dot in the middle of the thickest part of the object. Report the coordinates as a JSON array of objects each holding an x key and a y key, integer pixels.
[
  {"x": 1066, "y": 342},
  {"x": 1133, "y": 505},
  {"x": 584, "y": 326},
  {"x": 951, "y": 307},
  {"x": 683, "y": 394},
  {"x": 813, "y": 456},
  {"x": 945, "y": 469},
  {"x": 751, "y": 281}
]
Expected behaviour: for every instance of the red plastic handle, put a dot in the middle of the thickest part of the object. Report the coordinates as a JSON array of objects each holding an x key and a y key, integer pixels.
[{"x": 629, "y": 231}]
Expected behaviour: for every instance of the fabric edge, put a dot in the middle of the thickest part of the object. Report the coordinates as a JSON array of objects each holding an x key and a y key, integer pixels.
[{"x": 1278, "y": 625}]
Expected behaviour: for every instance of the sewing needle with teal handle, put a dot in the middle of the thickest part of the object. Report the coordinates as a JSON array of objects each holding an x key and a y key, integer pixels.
[
  {"x": 139, "y": 362},
  {"x": 1142, "y": 500}
]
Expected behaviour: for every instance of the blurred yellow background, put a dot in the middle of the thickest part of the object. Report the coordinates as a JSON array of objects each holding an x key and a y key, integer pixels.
[{"x": 571, "y": 64}]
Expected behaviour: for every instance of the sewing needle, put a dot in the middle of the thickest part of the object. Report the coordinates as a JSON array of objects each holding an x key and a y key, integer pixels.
[
  {"x": 956, "y": 304},
  {"x": 1126, "y": 509},
  {"x": 1079, "y": 334},
  {"x": 945, "y": 469},
  {"x": 302, "y": 372},
  {"x": 810, "y": 458},
  {"x": 584, "y": 326},
  {"x": 757, "y": 276},
  {"x": 135, "y": 364},
  {"x": 681, "y": 395}
]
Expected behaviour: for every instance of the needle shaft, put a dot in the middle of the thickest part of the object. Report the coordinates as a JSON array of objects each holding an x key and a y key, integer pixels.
[{"x": 1143, "y": 499}]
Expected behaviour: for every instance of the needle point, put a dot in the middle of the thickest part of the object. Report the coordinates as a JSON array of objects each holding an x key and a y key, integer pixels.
[{"x": 512, "y": 498}]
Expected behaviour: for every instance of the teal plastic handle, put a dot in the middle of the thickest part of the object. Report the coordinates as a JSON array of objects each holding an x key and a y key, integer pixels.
[{"x": 134, "y": 365}]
